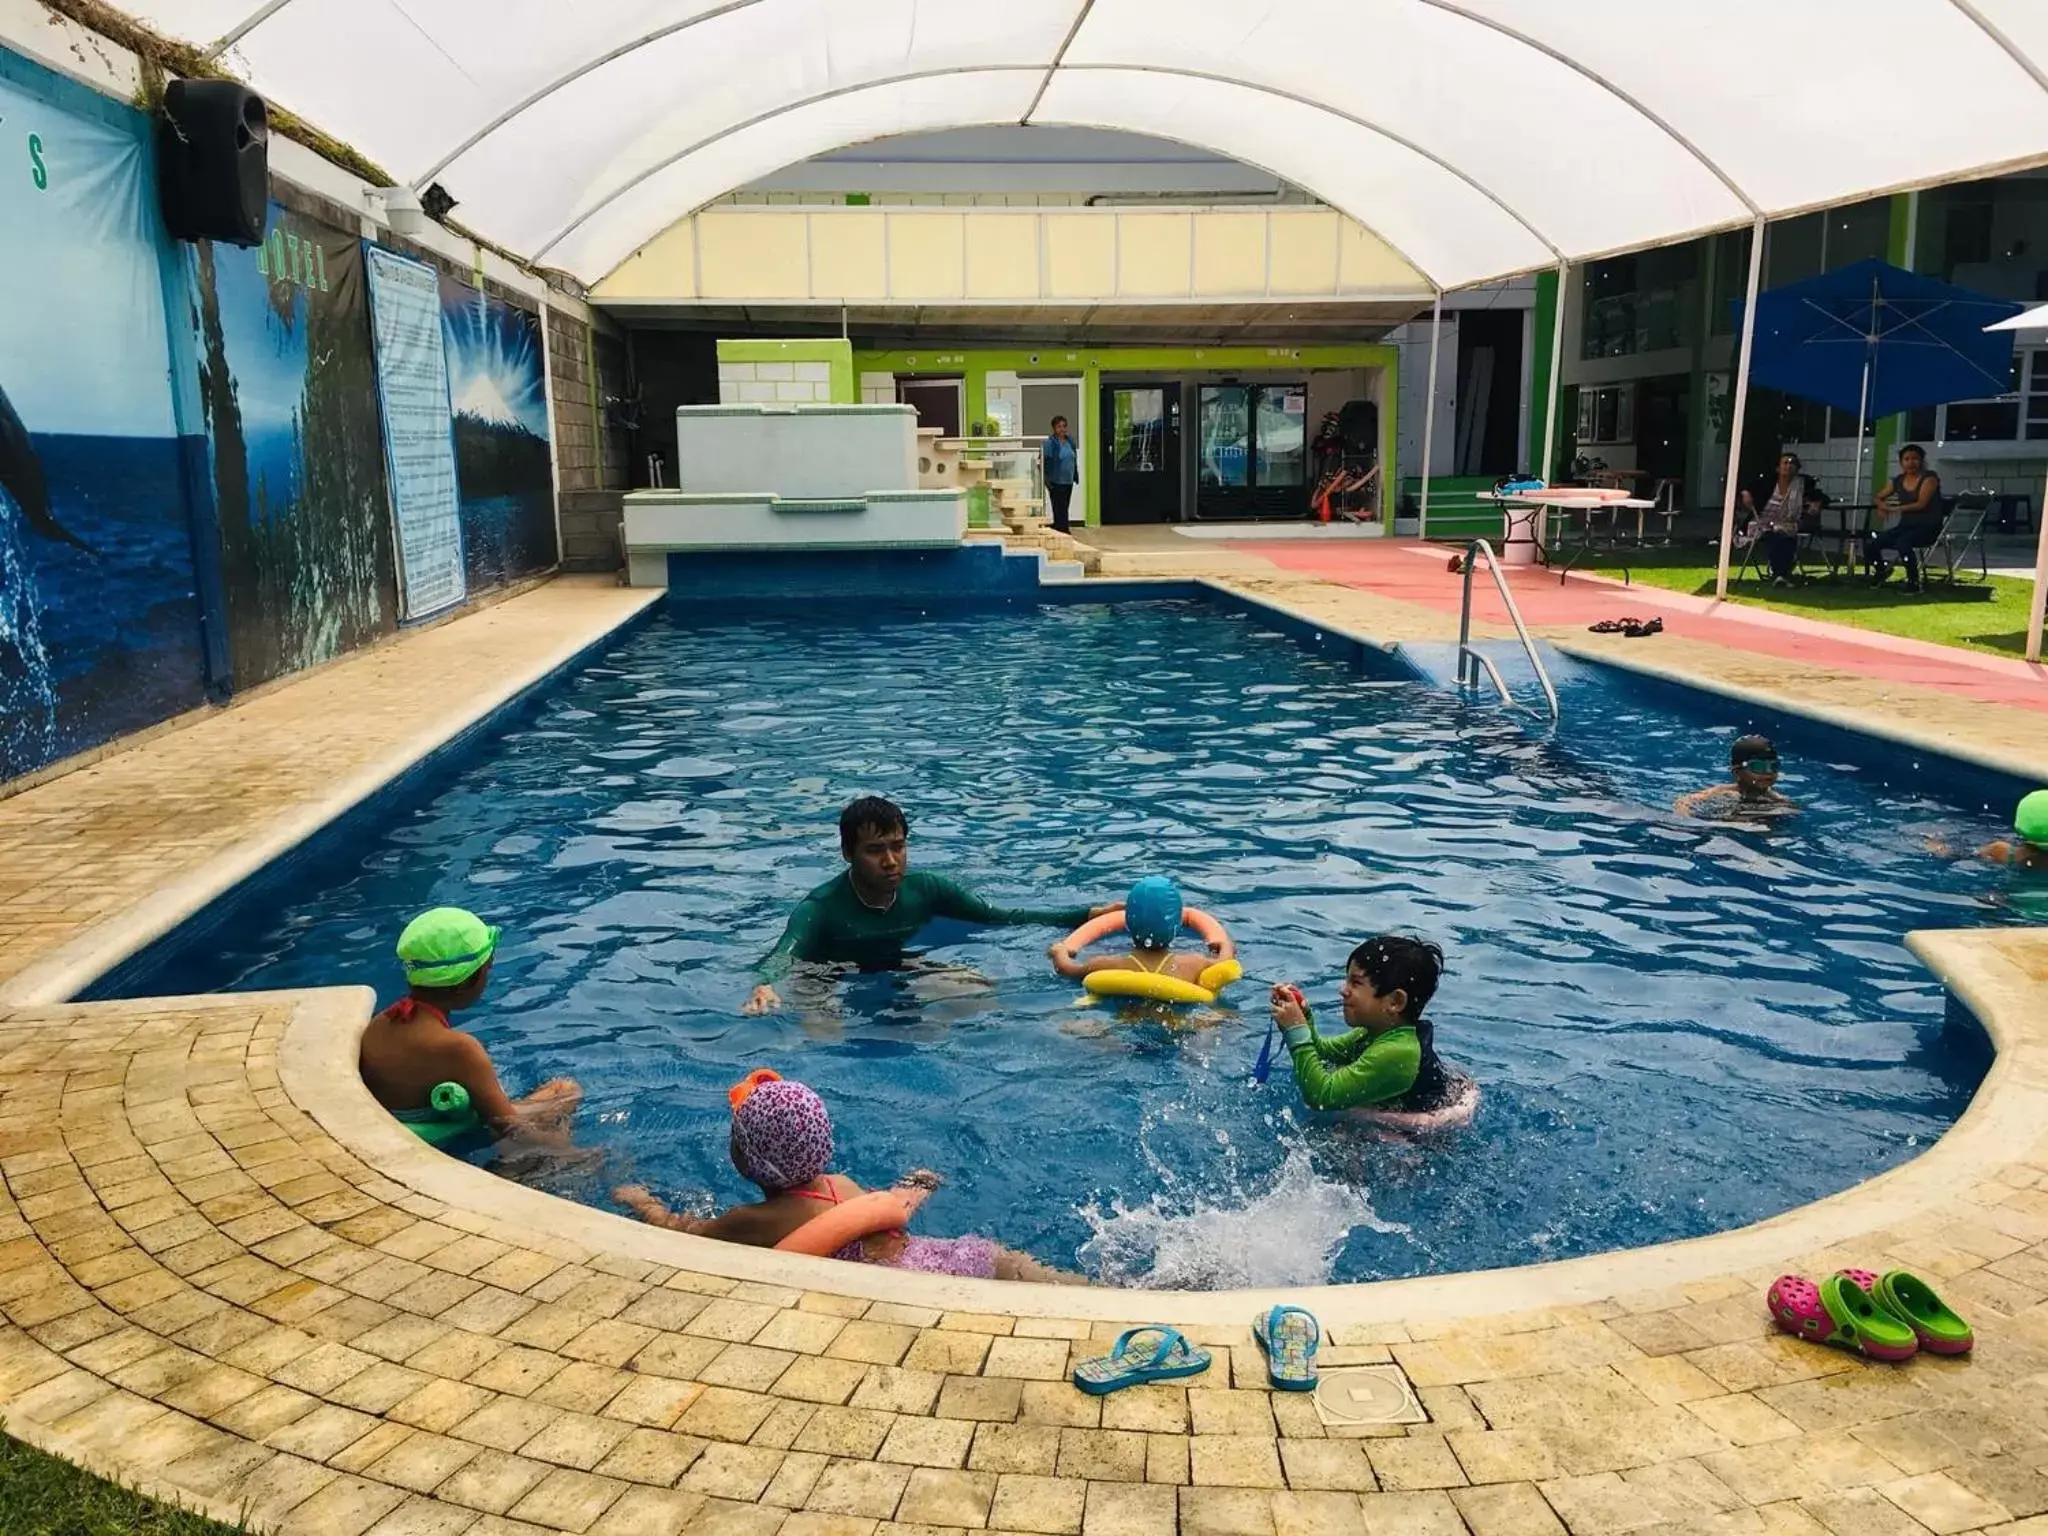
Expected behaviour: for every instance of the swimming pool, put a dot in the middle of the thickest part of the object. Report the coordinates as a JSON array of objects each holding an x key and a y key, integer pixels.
[{"x": 1679, "y": 1027}]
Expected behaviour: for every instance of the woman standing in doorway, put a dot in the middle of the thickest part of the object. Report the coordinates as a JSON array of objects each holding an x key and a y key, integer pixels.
[{"x": 1062, "y": 469}]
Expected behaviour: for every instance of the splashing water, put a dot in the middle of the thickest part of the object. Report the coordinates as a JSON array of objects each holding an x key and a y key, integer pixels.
[
  {"x": 1290, "y": 1235},
  {"x": 28, "y": 701}
]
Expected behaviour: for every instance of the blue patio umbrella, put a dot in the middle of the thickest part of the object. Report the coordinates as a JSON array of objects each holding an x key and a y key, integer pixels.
[{"x": 1876, "y": 339}]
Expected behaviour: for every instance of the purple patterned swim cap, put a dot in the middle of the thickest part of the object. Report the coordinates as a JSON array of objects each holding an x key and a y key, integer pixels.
[{"x": 781, "y": 1136}]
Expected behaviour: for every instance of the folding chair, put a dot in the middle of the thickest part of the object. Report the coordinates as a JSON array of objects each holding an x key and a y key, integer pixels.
[
  {"x": 1665, "y": 495},
  {"x": 1752, "y": 555},
  {"x": 1961, "y": 528}
]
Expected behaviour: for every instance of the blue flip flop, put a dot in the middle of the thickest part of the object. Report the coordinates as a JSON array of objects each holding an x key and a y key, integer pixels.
[
  {"x": 1159, "y": 1354},
  {"x": 1289, "y": 1336}
]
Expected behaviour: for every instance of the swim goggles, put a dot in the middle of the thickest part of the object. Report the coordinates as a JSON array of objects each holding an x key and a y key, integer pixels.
[{"x": 1760, "y": 764}]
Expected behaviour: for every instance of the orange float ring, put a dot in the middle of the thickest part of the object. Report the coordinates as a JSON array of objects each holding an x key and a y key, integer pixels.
[
  {"x": 848, "y": 1222},
  {"x": 1113, "y": 922}
]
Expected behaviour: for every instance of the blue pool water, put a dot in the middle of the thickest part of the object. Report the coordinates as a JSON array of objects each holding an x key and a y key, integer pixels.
[{"x": 1678, "y": 1027}]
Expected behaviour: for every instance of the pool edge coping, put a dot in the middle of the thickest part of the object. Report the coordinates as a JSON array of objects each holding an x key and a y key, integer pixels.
[{"x": 317, "y": 1065}]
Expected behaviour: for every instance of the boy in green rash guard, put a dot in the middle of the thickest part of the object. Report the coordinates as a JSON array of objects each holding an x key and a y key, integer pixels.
[
  {"x": 865, "y": 914},
  {"x": 1387, "y": 1058}
]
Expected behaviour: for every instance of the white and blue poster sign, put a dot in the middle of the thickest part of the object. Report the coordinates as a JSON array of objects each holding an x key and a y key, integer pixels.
[{"x": 412, "y": 386}]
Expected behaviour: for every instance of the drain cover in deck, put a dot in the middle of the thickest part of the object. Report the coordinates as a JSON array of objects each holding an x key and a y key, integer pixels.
[{"x": 1367, "y": 1394}]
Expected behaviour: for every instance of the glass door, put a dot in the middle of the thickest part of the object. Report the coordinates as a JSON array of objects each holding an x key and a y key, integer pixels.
[
  {"x": 1141, "y": 453},
  {"x": 1253, "y": 458}
]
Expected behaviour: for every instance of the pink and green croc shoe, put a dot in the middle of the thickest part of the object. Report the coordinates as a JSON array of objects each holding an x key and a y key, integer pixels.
[
  {"x": 1842, "y": 1312},
  {"x": 1913, "y": 1302}
]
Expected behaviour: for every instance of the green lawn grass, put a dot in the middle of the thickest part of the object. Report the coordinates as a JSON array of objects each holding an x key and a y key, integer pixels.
[
  {"x": 43, "y": 1496},
  {"x": 1963, "y": 615}
]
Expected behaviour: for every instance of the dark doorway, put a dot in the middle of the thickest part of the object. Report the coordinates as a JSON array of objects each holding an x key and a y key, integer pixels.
[
  {"x": 1489, "y": 392},
  {"x": 940, "y": 403},
  {"x": 1662, "y": 426},
  {"x": 673, "y": 368},
  {"x": 1141, "y": 453}
]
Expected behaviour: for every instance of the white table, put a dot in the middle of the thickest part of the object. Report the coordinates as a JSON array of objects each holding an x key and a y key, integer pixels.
[{"x": 1580, "y": 510}]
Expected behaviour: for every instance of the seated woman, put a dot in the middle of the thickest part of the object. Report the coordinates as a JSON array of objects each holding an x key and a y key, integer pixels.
[
  {"x": 1788, "y": 500},
  {"x": 1914, "y": 496},
  {"x": 781, "y": 1140}
]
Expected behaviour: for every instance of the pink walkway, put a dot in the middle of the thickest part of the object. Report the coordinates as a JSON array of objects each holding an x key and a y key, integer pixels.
[{"x": 1416, "y": 573}]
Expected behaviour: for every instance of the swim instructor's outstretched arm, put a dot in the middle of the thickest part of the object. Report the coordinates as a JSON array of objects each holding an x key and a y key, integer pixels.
[
  {"x": 796, "y": 940},
  {"x": 951, "y": 899}
]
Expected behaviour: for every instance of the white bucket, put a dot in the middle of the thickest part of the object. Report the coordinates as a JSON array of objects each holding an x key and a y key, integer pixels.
[{"x": 1518, "y": 535}]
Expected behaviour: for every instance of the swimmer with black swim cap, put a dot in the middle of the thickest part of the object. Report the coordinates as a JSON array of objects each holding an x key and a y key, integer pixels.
[
  {"x": 1387, "y": 1059},
  {"x": 1753, "y": 790}
]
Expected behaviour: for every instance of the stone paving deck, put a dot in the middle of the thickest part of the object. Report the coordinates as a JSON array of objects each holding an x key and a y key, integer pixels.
[
  {"x": 104, "y": 859},
  {"x": 1983, "y": 706},
  {"x": 228, "y": 1281}
]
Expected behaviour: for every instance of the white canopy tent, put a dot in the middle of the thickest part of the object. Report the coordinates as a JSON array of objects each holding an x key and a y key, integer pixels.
[
  {"x": 2037, "y": 609},
  {"x": 1479, "y": 138}
]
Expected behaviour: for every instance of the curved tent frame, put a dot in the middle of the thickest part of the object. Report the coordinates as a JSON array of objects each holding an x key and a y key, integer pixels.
[{"x": 1480, "y": 138}]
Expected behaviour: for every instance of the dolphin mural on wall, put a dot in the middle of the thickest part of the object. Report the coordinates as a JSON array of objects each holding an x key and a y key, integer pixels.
[{"x": 21, "y": 476}]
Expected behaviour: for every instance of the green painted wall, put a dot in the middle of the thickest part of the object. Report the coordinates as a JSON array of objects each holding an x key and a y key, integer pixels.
[
  {"x": 1889, "y": 431},
  {"x": 973, "y": 365},
  {"x": 838, "y": 354}
]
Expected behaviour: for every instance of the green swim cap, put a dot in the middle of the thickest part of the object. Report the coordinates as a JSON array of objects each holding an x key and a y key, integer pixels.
[
  {"x": 2031, "y": 819},
  {"x": 445, "y": 947}
]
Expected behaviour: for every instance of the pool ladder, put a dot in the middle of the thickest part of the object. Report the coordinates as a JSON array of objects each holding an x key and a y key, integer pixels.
[{"x": 1470, "y": 662}]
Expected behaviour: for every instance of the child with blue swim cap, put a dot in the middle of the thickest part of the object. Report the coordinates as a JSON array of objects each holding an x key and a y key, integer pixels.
[{"x": 1153, "y": 919}]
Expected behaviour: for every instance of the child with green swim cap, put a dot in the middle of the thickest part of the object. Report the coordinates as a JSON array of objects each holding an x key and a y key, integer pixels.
[
  {"x": 2030, "y": 821},
  {"x": 410, "y": 1049}
]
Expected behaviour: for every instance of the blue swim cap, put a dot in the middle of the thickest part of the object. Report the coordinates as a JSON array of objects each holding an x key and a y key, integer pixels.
[{"x": 1152, "y": 912}]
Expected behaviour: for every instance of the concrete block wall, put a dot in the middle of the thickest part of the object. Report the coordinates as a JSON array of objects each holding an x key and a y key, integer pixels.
[
  {"x": 585, "y": 365},
  {"x": 774, "y": 383},
  {"x": 765, "y": 371},
  {"x": 1833, "y": 464}
]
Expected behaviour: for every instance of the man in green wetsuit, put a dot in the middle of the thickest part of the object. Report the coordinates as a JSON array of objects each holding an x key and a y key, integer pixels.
[
  {"x": 865, "y": 914},
  {"x": 1387, "y": 1057}
]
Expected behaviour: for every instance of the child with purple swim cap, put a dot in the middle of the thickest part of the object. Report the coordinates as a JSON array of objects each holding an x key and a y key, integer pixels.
[{"x": 781, "y": 1140}]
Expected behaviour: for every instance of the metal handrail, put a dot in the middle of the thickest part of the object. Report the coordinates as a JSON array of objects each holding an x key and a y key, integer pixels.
[
  {"x": 1499, "y": 683},
  {"x": 1469, "y": 657}
]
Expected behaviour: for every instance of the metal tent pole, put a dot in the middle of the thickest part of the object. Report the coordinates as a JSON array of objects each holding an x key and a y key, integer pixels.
[
  {"x": 1863, "y": 400},
  {"x": 1436, "y": 330},
  {"x": 1756, "y": 272},
  {"x": 1862, "y": 413},
  {"x": 1541, "y": 516},
  {"x": 2040, "y": 602}
]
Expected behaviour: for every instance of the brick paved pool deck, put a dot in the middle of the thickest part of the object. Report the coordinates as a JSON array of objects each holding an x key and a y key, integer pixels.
[{"x": 229, "y": 1279}]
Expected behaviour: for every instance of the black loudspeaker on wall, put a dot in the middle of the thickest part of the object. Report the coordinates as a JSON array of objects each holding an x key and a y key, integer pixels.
[{"x": 213, "y": 161}]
